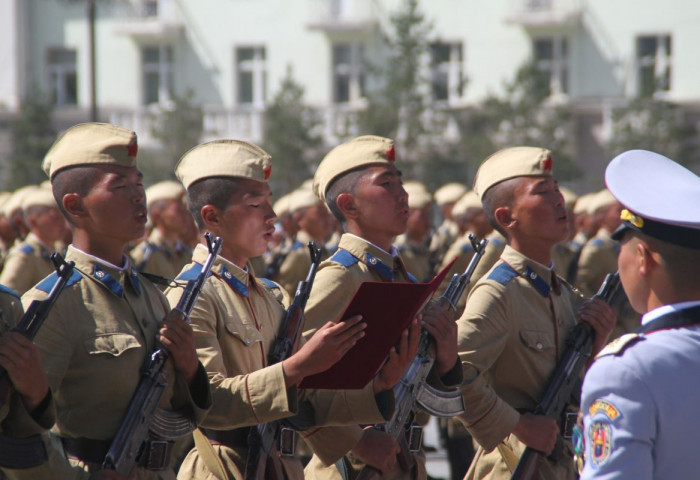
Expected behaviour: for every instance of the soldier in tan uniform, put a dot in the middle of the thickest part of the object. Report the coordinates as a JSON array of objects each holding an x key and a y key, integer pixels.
[
  {"x": 30, "y": 261},
  {"x": 565, "y": 253},
  {"x": 362, "y": 187},
  {"x": 414, "y": 245},
  {"x": 314, "y": 222},
  {"x": 517, "y": 318},
  {"x": 109, "y": 317},
  {"x": 238, "y": 316},
  {"x": 164, "y": 253},
  {"x": 447, "y": 232}
]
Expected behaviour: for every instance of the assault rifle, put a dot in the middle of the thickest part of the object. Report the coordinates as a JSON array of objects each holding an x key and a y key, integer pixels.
[
  {"x": 413, "y": 390},
  {"x": 566, "y": 379},
  {"x": 34, "y": 317},
  {"x": 267, "y": 441},
  {"x": 129, "y": 446}
]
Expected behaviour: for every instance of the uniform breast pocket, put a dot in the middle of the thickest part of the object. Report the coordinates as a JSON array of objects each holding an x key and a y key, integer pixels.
[
  {"x": 537, "y": 341},
  {"x": 246, "y": 333},
  {"x": 113, "y": 344}
]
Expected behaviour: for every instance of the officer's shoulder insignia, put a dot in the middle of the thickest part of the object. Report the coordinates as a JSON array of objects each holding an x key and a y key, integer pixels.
[
  {"x": 26, "y": 249},
  {"x": 47, "y": 284},
  {"x": 600, "y": 434},
  {"x": 606, "y": 408},
  {"x": 503, "y": 273},
  {"x": 617, "y": 346},
  {"x": 191, "y": 273},
  {"x": 266, "y": 282},
  {"x": 9, "y": 291},
  {"x": 273, "y": 288},
  {"x": 344, "y": 258}
]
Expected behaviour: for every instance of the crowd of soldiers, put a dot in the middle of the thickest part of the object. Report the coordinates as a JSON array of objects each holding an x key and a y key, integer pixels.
[{"x": 548, "y": 251}]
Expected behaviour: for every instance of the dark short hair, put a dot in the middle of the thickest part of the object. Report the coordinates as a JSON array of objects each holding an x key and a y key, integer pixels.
[
  {"x": 79, "y": 180},
  {"x": 216, "y": 191},
  {"x": 345, "y": 183},
  {"x": 499, "y": 195}
]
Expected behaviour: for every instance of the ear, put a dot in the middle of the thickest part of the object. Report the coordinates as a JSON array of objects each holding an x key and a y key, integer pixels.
[
  {"x": 647, "y": 259},
  {"x": 73, "y": 205},
  {"x": 347, "y": 205},
  {"x": 211, "y": 217},
  {"x": 504, "y": 218}
]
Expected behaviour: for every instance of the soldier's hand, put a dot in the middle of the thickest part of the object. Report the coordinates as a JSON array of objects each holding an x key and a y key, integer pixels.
[
  {"x": 177, "y": 337},
  {"x": 537, "y": 431},
  {"x": 323, "y": 349},
  {"x": 399, "y": 359},
  {"x": 602, "y": 318},
  {"x": 20, "y": 358},
  {"x": 377, "y": 449},
  {"x": 440, "y": 323}
]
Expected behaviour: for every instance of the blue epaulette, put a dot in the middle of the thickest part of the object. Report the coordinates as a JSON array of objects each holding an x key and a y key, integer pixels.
[
  {"x": 412, "y": 277},
  {"x": 47, "y": 284},
  {"x": 269, "y": 283},
  {"x": 190, "y": 274},
  {"x": 503, "y": 274},
  {"x": 597, "y": 242},
  {"x": 344, "y": 258},
  {"x": 466, "y": 248},
  {"x": 26, "y": 249},
  {"x": 9, "y": 291},
  {"x": 297, "y": 245}
]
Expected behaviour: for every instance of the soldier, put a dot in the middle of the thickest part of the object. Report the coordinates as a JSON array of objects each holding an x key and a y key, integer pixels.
[
  {"x": 13, "y": 211},
  {"x": 109, "y": 317},
  {"x": 445, "y": 198},
  {"x": 362, "y": 187},
  {"x": 517, "y": 318},
  {"x": 639, "y": 417},
  {"x": 30, "y": 261},
  {"x": 276, "y": 253},
  {"x": 314, "y": 223},
  {"x": 414, "y": 245},
  {"x": 237, "y": 318},
  {"x": 164, "y": 253}
]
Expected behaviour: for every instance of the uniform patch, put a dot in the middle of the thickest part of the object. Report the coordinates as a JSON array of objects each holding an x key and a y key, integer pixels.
[
  {"x": 600, "y": 434},
  {"x": 604, "y": 407},
  {"x": 617, "y": 346}
]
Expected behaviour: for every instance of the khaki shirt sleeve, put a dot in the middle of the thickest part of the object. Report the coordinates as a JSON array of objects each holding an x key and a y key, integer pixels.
[
  {"x": 482, "y": 333},
  {"x": 294, "y": 269}
]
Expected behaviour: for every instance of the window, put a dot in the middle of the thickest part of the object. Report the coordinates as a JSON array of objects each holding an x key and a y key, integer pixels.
[
  {"x": 552, "y": 59},
  {"x": 446, "y": 71},
  {"x": 251, "y": 75},
  {"x": 348, "y": 73},
  {"x": 653, "y": 64},
  {"x": 157, "y": 63},
  {"x": 62, "y": 76}
]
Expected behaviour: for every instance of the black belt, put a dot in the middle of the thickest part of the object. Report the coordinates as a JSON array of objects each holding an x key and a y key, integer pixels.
[
  {"x": 235, "y": 438},
  {"x": 25, "y": 452},
  {"x": 154, "y": 454}
]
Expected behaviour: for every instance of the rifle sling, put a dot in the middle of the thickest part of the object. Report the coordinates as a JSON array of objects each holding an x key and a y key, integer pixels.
[
  {"x": 236, "y": 438},
  {"x": 22, "y": 453},
  {"x": 509, "y": 457},
  {"x": 208, "y": 455}
]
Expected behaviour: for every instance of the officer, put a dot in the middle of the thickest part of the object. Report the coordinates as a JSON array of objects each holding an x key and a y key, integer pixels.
[
  {"x": 517, "y": 317},
  {"x": 238, "y": 316},
  {"x": 164, "y": 253},
  {"x": 414, "y": 245},
  {"x": 30, "y": 260},
  {"x": 639, "y": 419},
  {"x": 361, "y": 185},
  {"x": 109, "y": 317}
]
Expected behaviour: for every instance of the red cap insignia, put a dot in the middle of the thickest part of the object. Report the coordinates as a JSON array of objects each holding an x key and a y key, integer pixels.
[
  {"x": 132, "y": 149},
  {"x": 547, "y": 164},
  {"x": 391, "y": 154},
  {"x": 267, "y": 171}
]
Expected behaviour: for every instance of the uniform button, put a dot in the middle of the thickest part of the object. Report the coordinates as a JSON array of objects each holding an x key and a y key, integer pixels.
[
  {"x": 539, "y": 346},
  {"x": 246, "y": 341}
]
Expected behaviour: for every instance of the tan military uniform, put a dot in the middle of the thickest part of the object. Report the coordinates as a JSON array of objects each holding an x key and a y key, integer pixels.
[
  {"x": 598, "y": 258},
  {"x": 296, "y": 264},
  {"x": 93, "y": 346},
  {"x": 336, "y": 282},
  {"x": 510, "y": 338},
  {"x": 563, "y": 254},
  {"x": 443, "y": 238},
  {"x": 26, "y": 264},
  {"x": 157, "y": 256},
  {"x": 418, "y": 259},
  {"x": 235, "y": 321}
]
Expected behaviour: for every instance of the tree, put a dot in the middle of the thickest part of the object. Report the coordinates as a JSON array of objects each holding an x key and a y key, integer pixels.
[
  {"x": 32, "y": 135},
  {"x": 290, "y": 135}
]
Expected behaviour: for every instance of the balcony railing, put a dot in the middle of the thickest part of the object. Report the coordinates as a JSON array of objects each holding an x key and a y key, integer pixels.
[
  {"x": 151, "y": 19},
  {"x": 545, "y": 13},
  {"x": 342, "y": 15}
]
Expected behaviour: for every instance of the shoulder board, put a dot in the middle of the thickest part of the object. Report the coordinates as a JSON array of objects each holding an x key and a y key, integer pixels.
[
  {"x": 344, "y": 258},
  {"x": 47, "y": 284},
  {"x": 269, "y": 283},
  {"x": 27, "y": 249},
  {"x": 191, "y": 273},
  {"x": 617, "y": 346},
  {"x": 9, "y": 291},
  {"x": 503, "y": 274},
  {"x": 466, "y": 248},
  {"x": 597, "y": 242},
  {"x": 412, "y": 277},
  {"x": 297, "y": 245}
]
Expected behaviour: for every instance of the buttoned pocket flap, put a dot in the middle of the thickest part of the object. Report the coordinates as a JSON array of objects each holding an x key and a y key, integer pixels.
[
  {"x": 113, "y": 344},
  {"x": 536, "y": 340},
  {"x": 244, "y": 332}
]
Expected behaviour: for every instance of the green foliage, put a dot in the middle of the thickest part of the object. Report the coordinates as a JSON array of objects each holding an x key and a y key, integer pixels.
[
  {"x": 32, "y": 135},
  {"x": 290, "y": 136}
]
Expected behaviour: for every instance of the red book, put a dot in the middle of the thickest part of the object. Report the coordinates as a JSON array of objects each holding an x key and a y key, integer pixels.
[{"x": 387, "y": 308}]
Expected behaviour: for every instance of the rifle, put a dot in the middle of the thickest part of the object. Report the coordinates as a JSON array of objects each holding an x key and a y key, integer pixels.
[
  {"x": 565, "y": 379},
  {"x": 413, "y": 390},
  {"x": 129, "y": 444},
  {"x": 262, "y": 439},
  {"x": 34, "y": 317}
]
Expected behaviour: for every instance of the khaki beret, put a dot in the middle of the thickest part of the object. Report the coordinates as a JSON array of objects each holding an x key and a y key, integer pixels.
[
  {"x": 511, "y": 163},
  {"x": 302, "y": 198},
  {"x": 600, "y": 200},
  {"x": 165, "y": 190},
  {"x": 449, "y": 193},
  {"x": 418, "y": 195},
  {"x": 281, "y": 206},
  {"x": 38, "y": 197},
  {"x": 90, "y": 144},
  {"x": 569, "y": 197},
  {"x": 224, "y": 158},
  {"x": 582, "y": 203},
  {"x": 15, "y": 201},
  {"x": 467, "y": 201},
  {"x": 359, "y": 152}
]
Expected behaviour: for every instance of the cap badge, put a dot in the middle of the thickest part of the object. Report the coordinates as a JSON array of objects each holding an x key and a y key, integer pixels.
[
  {"x": 627, "y": 216},
  {"x": 267, "y": 171},
  {"x": 391, "y": 154},
  {"x": 547, "y": 164},
  {"x": 132, "y": 149}
]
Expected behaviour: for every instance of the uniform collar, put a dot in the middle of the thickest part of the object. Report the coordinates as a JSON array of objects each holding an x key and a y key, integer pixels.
[
  {"x": 112, "y": 277},
  {"x": 235, "y": 277},
  {"x": 541, "y": 277},
  {"x": 377, "y": 259},
  {"x": 666, "y": 309}
]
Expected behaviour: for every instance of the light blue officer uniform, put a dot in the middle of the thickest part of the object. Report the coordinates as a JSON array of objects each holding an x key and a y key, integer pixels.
[{"x": 639, "y": 397}]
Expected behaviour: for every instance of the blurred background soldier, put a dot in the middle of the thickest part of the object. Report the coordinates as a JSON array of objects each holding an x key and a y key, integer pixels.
[
  {"x": 565, "y": 253},
  {"x": 13, "y": 211},
  {"x": 276, "y": 254},
  {"x": 445, "y": 197},
  {"x": 414, "y": 245}
]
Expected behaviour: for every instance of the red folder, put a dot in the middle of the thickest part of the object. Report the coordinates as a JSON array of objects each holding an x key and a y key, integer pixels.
[{"x": 388, "y": 309}]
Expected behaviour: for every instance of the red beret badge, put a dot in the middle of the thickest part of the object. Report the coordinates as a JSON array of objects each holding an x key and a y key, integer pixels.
[
  {"x": 391, "y": 154},
  {"x": 547, "y": 164}
]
